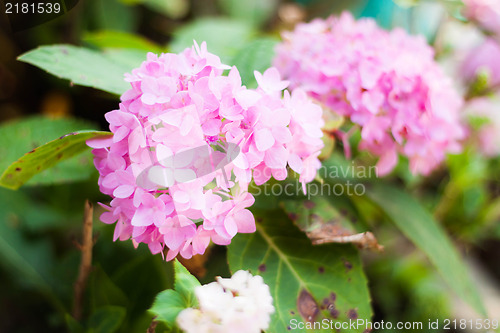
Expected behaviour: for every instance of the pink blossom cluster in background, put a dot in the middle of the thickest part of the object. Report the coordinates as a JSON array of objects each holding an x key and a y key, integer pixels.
[
  {"x": 483, "y": 58},
  {"x": 386, "y": 82},
  {"x": 486, "y": 13},
  {"x": 487, "y": 110},
  {"x": 158, "y": 167},
  {"x": 242, "y": 303}
]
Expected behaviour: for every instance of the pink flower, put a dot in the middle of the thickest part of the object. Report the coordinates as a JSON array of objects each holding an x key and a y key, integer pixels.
[
  {"x": 486, "y": 13},
  {"x": 487, "y": 134},
  {"x": 483, "y": 59},
  {"x": 386, "y": 82},
  {"x": 188, "y": 141},
  {"x": 270, "y": 81}
]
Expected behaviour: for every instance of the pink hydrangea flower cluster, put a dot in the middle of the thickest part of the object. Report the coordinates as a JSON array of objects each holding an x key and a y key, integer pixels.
[
  {"x": 386, "y": 82},
  {"x": 486, "y": 13},
  {"x": 188, "y": 141}
]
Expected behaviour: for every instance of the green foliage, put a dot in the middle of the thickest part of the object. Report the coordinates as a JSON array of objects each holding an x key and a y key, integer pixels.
[
  {"x": 106, "y": 319},
  {"x": 126, "y": 278},
  {"x": 421, "y": 228},
  {"x": 407, "y": 288},
  {"x": 185, "y": 284},
  {"x": 73, "y": 325},
  {"x": 170, "y": 302},
  {"x": 27, "y": 133},
  {"x": 20, "y": 136},
  {"x": 224, "y": 37},
  {"x": 313, "y": 214},
  {"x": 112, "y": 15},
  {"x": 256, "y": 12},
  {"x": 307, "y": 283},
  {"x": 467, "y": 204},
  {"x": 130, "y": 58},
  {"x": 126, "y": 275},
  {"x": 104, "y": 291},
  {"x": 254, "y": 56},
  {"x": 26, "y": 214},
  {"x": 480, "y": 85},
  {"x": 171, "y": 8},
  {"x": 120, "y": 39},
  {"x": 81, "y": 66},
  {"x": 167, "y": 306},
  {"x": 31, "y": 259},
  {"x": 406, "y": 3}
]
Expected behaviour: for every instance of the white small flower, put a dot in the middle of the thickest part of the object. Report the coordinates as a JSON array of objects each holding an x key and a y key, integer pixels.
[{"x": 242, "y": 303}]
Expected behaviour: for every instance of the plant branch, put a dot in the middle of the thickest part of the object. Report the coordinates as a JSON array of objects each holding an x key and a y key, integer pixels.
[
  {"x": 85, "y": 263},
  {"x": 152, "y": 327}
]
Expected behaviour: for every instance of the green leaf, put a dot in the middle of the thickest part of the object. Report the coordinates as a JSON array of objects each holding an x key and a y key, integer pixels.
[
  {"x": 167, "y": 306},
  {"x": 169, "y": 303},
  {"x": 308, "y": 283},
  {"x": 171, "y": 8},
  {"x": 107, "y": 319},
  {"x": 31, "y": 261},
  {"x": 31, "y": 215},
  {"x": 111, "y": 15},
  {"x": 255, "y": 56},
  {"x": 25, "y": 133},
  {"x": 406, "y": 3},
  {"x": 21, "y": 135},
  {"x": 73, "y": 325},
  {"x": 421, "y": 228},
  {"x": 119, "y": 39},
  {"x": 319, "y": 211},
  {"x": 255, "y": 12},
  {"x": 185, "y": 283},
  {"x": 328, "y": 218},
  {"x": 338, "y": 170},
  {"x": 224, "y": 37},
  {"x": 81, "y": 66},
  {"x": 143, "y": 288},
  {"x": 103, "y": 291},
  {"x": 130, "y": 58}
]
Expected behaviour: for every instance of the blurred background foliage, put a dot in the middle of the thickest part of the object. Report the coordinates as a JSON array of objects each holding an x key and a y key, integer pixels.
[{"x": 40, "y": 224}]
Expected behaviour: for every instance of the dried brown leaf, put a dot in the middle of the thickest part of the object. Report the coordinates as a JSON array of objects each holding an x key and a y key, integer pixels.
[{"x": 331, "y": 233}]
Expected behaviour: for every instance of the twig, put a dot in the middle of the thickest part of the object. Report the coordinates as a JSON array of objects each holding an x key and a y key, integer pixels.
[
  {"x": 86, "y": 262},
  {"x": 152, "y": 327}
]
